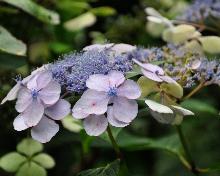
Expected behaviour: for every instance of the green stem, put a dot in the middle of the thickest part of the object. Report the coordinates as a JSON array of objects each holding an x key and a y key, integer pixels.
[
  {"x": 187, "y": 151},
  {"x": 114, "y": 144},
  {"x": 194, "y": 91}
]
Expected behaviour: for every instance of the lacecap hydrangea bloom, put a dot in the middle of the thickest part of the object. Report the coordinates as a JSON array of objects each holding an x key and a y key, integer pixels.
[
  {"x": 110, "y": 93},
  {"x": 75, "y": 68},
  {"x": 39, "y": 105}
]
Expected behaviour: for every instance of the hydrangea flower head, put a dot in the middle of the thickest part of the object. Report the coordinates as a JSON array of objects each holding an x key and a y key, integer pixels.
[
  {"x": 107, "y": 93},
  {"x": 75, "y": 69}
]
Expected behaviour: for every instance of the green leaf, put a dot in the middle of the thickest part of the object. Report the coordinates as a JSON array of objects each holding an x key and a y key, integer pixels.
[
  {"x": 199, "y": 107},
  {"x": 131, "y": 74},
  {"x": 111, "y": 169},
  {"x": 179, "y": 34},
  {"x": 9, "y": 61},
  {"x": 103, "y": 11},
  {"x": 147, "y": 86},
  {"x": 131, "y": 142},
  {"x": 168, "y": 143},
  {"x": 173, "y": 89},
  {"x": 210, "y": 44},
  {"x": 10, "y": 44},
  {"x": 31, "y": 169},
  {"x": 12, "y": 161},
  {"x": 29, "y": 147},
  {"x": 135, "y": 71},
  {"x": 36, "y": 10},
  {"x": 80, "y": 22},
  {"x": 72, "y": 124},
  {"x": 72, "y": 7},
  {"x": 44, "y": 160}
]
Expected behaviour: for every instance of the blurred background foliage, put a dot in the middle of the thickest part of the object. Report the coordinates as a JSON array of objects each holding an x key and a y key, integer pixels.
[{"x": 34, "y": 35}]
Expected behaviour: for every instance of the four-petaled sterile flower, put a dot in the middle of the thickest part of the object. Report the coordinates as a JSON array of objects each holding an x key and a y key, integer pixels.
[
  {"x": 13, "y": 93},
  {"x": 154, "y": 72},
  {"x": 39, "y": 104},
  {"x": 107, "y": 93}
]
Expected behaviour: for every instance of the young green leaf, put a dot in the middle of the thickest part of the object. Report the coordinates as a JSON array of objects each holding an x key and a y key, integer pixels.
[
  {"x": 147, "y": 86},
  {"x": 173, "y": 89},
  {"x": 9, "y": 44},
  {"x": 210, "y": 44},
  {"x": 29, "y": 147},
  {"x": 85, "y": 20},
  {"x": 72, "y": 124},
  {"x": 31, "y": 169},
  {"x": 111, "y": 169},
  {"x": 12, "y": 161},
  {"x": 44, "y": 160},
  {"x": 36, "y": 10}
]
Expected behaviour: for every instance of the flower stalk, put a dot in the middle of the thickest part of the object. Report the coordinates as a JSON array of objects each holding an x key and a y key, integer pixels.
[
  {"x": 114, "y": 143},
  {"x": 200, "y": 86},
  {"x": 192, "y": 168}
]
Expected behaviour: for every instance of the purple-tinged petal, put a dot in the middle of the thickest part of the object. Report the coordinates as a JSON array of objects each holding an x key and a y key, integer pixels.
[
  {"x": 122, "y": 48},
  {"x": 44, "y": 130},
  {"x": 33, "y": 113},
  {"x": 12, "y": 94},
  {"x": 150, "y": 67},
  {"x": 151, "y": 76},
  {"x": 24, "y": 99},
  {"x": 95, "y": 124},
  {"x": 43, "y": 79},
  {"x": 98, "y": 82},
  {"x": 78, "y": 110},
  {"x": 32, "y": 83},
  {"x": 19, "y": 124},
  {"x": 125, "y": 110},
  {"x": 91, "y": 102},
  {"x": 167, "y": 79},
  {"x": 116, "y": 78},
  {"x": 51, "y": 93},
  {"x": 34, "y": 73},
  {"x": 154, "y": 69},
  {"x": 113, "y": 121},
  {"x": 99, "y": 47},
  {"x": 129, "y": 89},
  {"x": 59, "y": 110}
]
